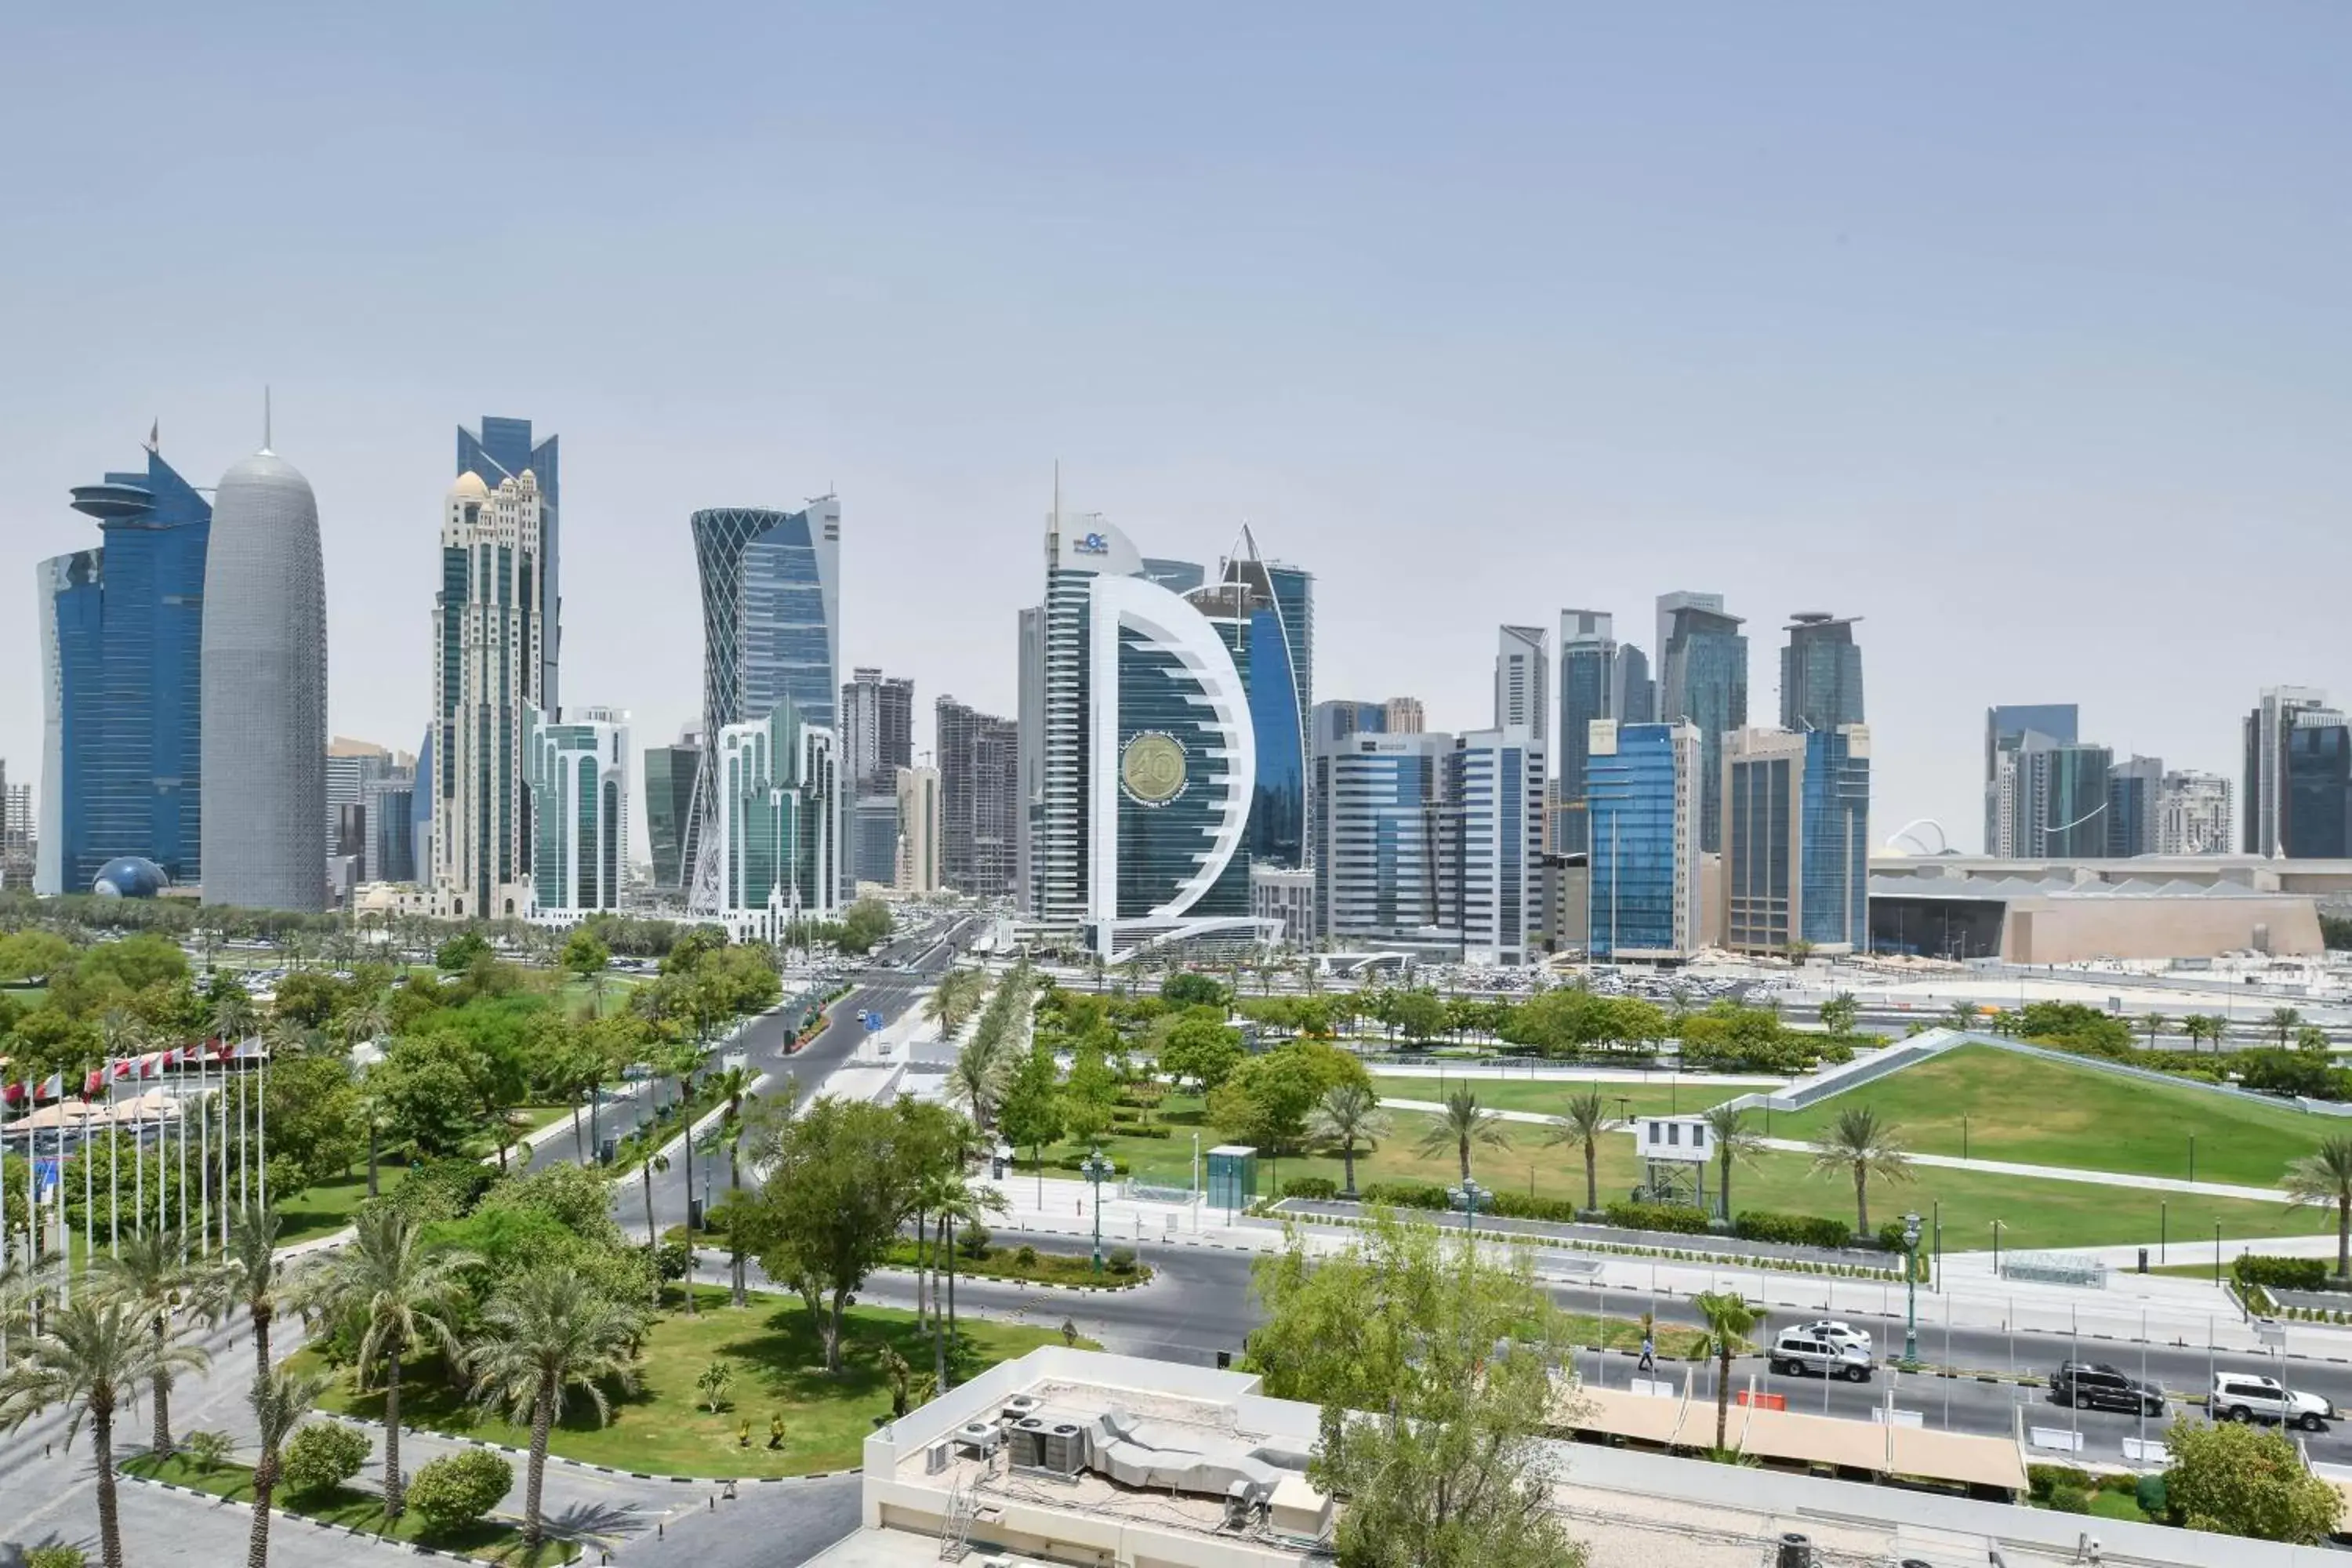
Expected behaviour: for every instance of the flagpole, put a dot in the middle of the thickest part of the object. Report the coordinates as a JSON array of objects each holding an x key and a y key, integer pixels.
[
  {"x": 228, "y": 1056},
  {"x": 65, "y": 1234},
  {"x": 261, "y": 1129},
  {"x": 203, "y": 1148},
  {"x": 244, "y": 1143},
  {"x": 139, "y": 1153},
  {"x": 89, "y": 1203},
  {"x": 180, "y": 1120},
  {"x": 113, "y": 1163}
]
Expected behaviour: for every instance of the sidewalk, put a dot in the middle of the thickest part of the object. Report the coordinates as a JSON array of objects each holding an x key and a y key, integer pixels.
[{"x": 1540, "y": 1072}]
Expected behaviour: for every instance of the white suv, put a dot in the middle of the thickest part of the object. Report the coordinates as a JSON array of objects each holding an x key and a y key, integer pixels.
[
  {"x": 1800, "y": 1350},
  {"x": 2238, "y": 1397}
]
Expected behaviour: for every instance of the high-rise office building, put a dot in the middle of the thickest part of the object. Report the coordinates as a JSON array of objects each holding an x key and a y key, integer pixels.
[
  {"x": 351, "y": 765},
  {"x": 265, "y": 692},
  {"x": 1632, "y": 694},
  {"x": 1796, "y": 840},
  {"x": 1588, "y": 690},
  {"x": 2135, "y": 807},
  {"x": 980, "y": 800},
  {"x": 2051, "y": 800},
  {"x": 874, "y": 840},
  {"x": 1405, "y": 716},
  {"x": 878, "y": 730},
  {"x": 771, "y": 635},
  {"x": 1644, "y": 888},
  {"x": 919, "y": 830},
  {"x": 1702, "y": 679},
  {"x": 1523, "y": 681},
  {"x": 1176, "y": 577},
  {"x": 670, "y": 773},
  {"x": 1820, "y": 673},
  {"x": 2194, "y": 814},
  {"x": 18, "y": 837},
  {"x": 1148, "y": 756},
  {"x": 488, "y": 661},
  {"x": 1494, "y": 784},
  {"x": 389, "y": 808},
  {"x": 1383, "y": 829},
  {"x": 122, "y": 631},
  {"x": 1030, "y": 782},
  {"x": 503, "y": 450},
  {"x": 2315, "y": 808},
  {"x": 1339, "y": 716},
  {"x": 578, "y": 776},
  {"x": 1264, "y": 610},
  {"x": 2267, "y": 729},
  {"x": 776, "y": 835},
  {"x": 2009, "y": 728}
]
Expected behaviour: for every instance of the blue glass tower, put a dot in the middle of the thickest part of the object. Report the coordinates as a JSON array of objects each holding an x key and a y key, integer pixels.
[
  {"x": 1702, "y": 677},
  {"x": 1796, "y": 845},
  {"x": 1646, "y": 839},
  {"x": 1266, "y": 614},
  {"x": 121, "y": 654},
  {"x": 503, "y": 450}
]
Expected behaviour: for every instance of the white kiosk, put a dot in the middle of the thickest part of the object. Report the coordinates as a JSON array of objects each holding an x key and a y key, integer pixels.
[{"x": 1674, "y": 1152}]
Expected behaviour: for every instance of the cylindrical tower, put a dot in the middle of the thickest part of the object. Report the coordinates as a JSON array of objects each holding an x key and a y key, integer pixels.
[{"x": 265, "y": 692}]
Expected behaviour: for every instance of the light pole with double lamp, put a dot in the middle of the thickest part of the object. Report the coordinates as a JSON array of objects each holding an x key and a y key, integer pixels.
[
  {"x": 1094, "y": 1170},
  {"x": 1911, "y": 1289}
]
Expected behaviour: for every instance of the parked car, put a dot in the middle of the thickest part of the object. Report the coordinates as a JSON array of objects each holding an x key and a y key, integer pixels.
[
  {"x": 2238, "y": 1397},
  {"x": 1838, "y": 1332},
  {"x": 1797, "y": 1352},
  {"x": 2094, "y": 1386}
]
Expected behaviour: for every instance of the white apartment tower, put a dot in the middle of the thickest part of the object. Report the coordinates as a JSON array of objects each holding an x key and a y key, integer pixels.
[
  {"x": 2194, "y": 813},
  {"x": 1523, "y": 681},
  {"x": 487, "y": 647},
  {"x": 920, "y": 835}
]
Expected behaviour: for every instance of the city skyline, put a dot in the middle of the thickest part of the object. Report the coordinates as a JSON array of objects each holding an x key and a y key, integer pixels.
[{"x": 1801, "y": 379}]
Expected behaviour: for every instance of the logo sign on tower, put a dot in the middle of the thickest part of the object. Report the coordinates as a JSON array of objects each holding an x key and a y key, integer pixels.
[{"x": 1090, "y": 544}]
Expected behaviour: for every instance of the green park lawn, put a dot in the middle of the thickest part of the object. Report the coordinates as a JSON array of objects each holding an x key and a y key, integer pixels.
[
  {"x": 1550, "y": 1096},
  {"x": 2036, "y": 1214},
  {"x": 2025, "y": 1110},
  {"x": 328, "y": 1206},
  {"x": 665, "y": 1429},
  {"x": 490, "y": 1539}
]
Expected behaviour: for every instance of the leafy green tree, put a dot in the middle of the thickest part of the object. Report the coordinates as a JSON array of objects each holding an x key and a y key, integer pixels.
[
  {"x": 1462, "y": 1121},
  {"x": 1032, "y": 1111},
  {"x": 1729, "y": 1320},
  {"x": 1861, "y": 1145},
  {"x": 323, "y": 1456},
  {"x": 832, "y": 1206},
  {"x": 458, "y": 954},
  {"x": 546, "y": 1334},
  {"x": 403, "y": 1294},
  {"x": 1264, "y": 1102},
  {"x": 426, "y": 1087},
  {"x": 87, "y": 1357},
  {"x": 2241, "y": 1480},
  {"x": 582, "y": 955},
  {"x": 1586, "y": 1119},
  {"x": 456, "y": 1489},
  {"x": 1418, "y": 1013},
  {"x": 863, "y": 926},
  {"x": 312, "y": 1105},
  {"x": 1091, "y": 1092},
  {"x": 2322, "y": 1179},
  {"x": 1348, "y": 1113},
  {"x": 281, "y": 1400},
  {"x": 1449, "y": 1470},
  {"x": 1186, "y": 988},
  {"x": 1200, "y": 1049}
]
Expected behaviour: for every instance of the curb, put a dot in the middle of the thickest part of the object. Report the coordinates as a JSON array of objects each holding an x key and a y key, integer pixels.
[
  {"x": 524, "y": 1454},
  {"x": 290, "y": 1516}
]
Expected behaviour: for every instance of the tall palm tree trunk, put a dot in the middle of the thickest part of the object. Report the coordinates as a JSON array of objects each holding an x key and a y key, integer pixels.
[
  {"x": 1722, "y": 1391},
  {"x": 1724, "y": 1186},
  {"x": 263, "y": 1312},
  {"x": 1348, "y": 1160},
  {"x": 1861, "y": 1201},
  {"x": 1465, "y": 1156},
  {"x": 371, "y": 1153},
  {"x": 543, "y": 1416},
  {"x": 938, "y": 1328},
  {"x": 2344, "y": 1236},
  {"x": 1592, "y": 1176},
  {"x": 391, "y": 1488},
  {"x": 265, "y": 1483},
  {"x": 162, "y": 1441},
  {"x": 102, "y": 1443}
]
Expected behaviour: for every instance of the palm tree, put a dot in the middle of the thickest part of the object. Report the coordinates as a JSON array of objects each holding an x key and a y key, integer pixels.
[
  {"x": 1864, "y": 1145},
  {"x": 1839, "y": 1013},
  {"x": 1349, "y": 1114},
  {"x": 547, "y": 1333},
  {"x": 1586, "y": 1118},
  {"x": 1729, "y": 1320},
  {"x": 286, "y": 1039},
  {"x": 1460, "y": 1124},
  {"x": 280, "y": 1399},
  {"x": 982, "y": 1072},
  {"x": 404, "y": 1295},
  {"x": 147, "y": 1272},
  {"x": 2155, "y": 1023},
  {"x": 2323, "y": 1178},
  {"x": 92, "y": 1354},
  {"x": 249, "y": 1275},
  {"x": 2281, "y": 1024},
  {"x": 1734, "y": 1140},
  {"x": 370, "y": 1019},
  {"x": 655, "y": 1165},
  {"x": 1960, "y": 1016}
]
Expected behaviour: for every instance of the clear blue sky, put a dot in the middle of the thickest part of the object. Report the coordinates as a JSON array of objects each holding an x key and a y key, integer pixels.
[{"x": 2022, "y": 331}]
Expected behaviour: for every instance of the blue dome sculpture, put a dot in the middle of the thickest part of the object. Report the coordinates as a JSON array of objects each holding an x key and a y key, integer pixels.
[{"x": 130, "y": 877}]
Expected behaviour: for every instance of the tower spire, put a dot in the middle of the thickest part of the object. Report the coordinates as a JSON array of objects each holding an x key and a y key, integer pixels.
[{"x": 265, "y": 417}]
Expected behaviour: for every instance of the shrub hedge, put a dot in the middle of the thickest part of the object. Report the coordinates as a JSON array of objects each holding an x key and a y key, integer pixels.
[
  {"x": 2280, "y": 1273},
  {"x": 1793, "y": 1229},
  {"x": 1681, "y": 1218}
]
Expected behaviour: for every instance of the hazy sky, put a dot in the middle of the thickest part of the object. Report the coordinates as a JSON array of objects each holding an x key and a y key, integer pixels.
[{"x": 2022, "y": 331}]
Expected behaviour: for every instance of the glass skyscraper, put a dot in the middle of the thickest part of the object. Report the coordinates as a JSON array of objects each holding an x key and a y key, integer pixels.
[
  {"x": 2009, "y": 729},
  {"x": 771, "y": 633},
  {"x": 2134, "y": 807},
  {"x": 503, "y": 449},
  {"x": 1383, "y": 827},
  {"x": 1796, "y": 845},
  {"x": 1703, "y": 679},
  {"x": 2315, "y": 801},
  {"x": 1820, "y": 673},
  {"x": 580, "y": 817},
  {"x": 1642, "y": 785},
  {"x": 1266, "y": 613},
  {"x": 670, "y": 773},
  {"x": 775, "y": 836},
  {"x": 122, "y": 655},
  {"x": 1588, "y": 690}
]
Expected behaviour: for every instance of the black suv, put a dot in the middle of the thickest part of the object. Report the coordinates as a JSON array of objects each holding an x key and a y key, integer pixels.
[{"x": 2094, "y": 1386}]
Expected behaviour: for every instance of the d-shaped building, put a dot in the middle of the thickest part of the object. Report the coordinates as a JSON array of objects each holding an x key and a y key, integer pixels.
[{"x": 1143, "y": 781}]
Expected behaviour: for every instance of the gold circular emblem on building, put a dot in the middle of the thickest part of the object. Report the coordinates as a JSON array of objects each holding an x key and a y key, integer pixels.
[{"x": 1152, "y": 768}]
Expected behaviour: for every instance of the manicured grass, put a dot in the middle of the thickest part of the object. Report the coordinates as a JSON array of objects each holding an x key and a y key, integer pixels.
[
  {"x": 1004, "y": 1263},
  {"x": 665, "y": 1429},
  {"x": 2039, "y": 1112},
  {"x": 1550, "y": 1096},
  {"x": 498, "y": 1542},
  {"x": 330, "y": 1205}
]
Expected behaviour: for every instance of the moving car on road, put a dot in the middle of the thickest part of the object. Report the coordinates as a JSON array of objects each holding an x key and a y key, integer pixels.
[
  {"x": 2238, "y": 1397},
  {"x": 1838, "y": 1332},
  {"x": 2094, "y": 1386},
  {"x": 1800, "y": 1352}
]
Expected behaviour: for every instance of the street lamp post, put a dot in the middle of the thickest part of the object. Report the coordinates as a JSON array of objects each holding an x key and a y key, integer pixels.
[
  {"x": 1911, "y": 1289},
  {"x": 1471, "y": 1193},
  {"x": 1996, "y": 1249},
  {"x": 1094, "y": 1170}
]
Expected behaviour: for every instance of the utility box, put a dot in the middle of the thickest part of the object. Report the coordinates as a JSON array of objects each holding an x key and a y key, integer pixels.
[{"x": 1233, "y": 1176}]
